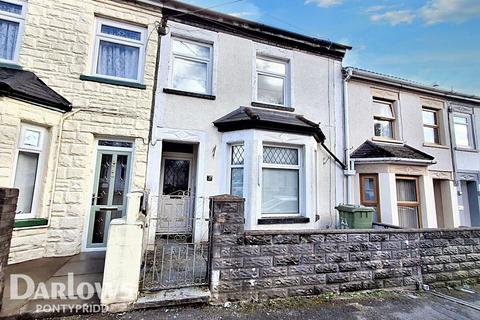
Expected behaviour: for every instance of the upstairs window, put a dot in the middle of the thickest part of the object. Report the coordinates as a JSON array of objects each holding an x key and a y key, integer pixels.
[
  {"x": 280, "y": 180},
  {"x": 12, "y": 19},
  {"x": 383, "y": 120},
  {"x": 272, "y": 81},
  {"x": 28, "y": 169},
  {"x": 462, "y": 125},
  {"x": 119, "y": 51},
  {"x": 191, "y": 66},
  {"x": 430, "y": 126}
]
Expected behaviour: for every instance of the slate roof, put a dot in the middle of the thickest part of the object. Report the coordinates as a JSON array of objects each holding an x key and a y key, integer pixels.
[
  {"x": 253, "y": 118},
  {"x": 371, "y": 149},
  {"x": 26, "y": 85}
]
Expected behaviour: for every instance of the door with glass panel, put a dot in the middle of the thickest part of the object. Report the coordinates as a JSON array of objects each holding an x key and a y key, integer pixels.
[
  {"x": 408, "y": 202},
  {"x": 369, "y": 194},
  {"x": 109, "y": 194},
  {"x": 176, "y": 200}
]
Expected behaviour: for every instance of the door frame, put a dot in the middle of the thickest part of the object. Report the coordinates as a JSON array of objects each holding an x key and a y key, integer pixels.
[{"x": 91, "y": 189}]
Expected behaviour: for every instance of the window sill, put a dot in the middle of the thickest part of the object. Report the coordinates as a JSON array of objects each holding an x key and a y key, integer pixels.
[
  {"x": 381, "y": 139},
  {"x": 434, "y": 145},
  {"x": 466, "y": 149},
  {"x": 10, "y": 65},
  {"x": 113, "y": 82},
  {"x": 286, "y": 220},
  {"x": 271, "y": 106},
  {"x": 28, "y": 223},
  {"x": 189, "y": 94}
]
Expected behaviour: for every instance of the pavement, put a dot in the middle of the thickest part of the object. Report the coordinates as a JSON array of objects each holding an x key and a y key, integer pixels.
[
  {"x": 86, "y": 267},
  {"x": 382, "y": 305}
]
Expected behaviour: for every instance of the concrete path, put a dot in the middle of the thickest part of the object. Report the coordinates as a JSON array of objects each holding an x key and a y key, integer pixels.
[
  {"x": 376, "y": 305},
  {"x": 86, "y": 267}
]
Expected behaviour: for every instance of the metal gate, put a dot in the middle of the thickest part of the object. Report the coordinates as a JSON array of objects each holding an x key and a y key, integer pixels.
[{"x": 177, "y": 250}]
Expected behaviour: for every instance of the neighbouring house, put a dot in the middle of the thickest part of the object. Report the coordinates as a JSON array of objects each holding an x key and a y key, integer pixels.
[
  {"x": 73, "y": 161},
  {"x": 400, "y": 150},
  {"x": 464, "y": 117}
]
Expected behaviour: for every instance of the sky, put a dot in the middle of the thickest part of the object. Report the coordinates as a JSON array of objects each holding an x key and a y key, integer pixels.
[{"x": 436, "y": 42}]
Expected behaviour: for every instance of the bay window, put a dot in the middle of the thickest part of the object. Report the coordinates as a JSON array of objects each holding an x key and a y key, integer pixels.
[
  {"x": 28, "y": 168},
  {"x": 237, "y": 159},
  {"x": 272, "y": 81},
  {"x": 191, "y": 66},
  {"x": 280, "y": 180},
  {"x": 408, "y": 202},
  {"x": 119, "y": 51},
  {"x": 12, "y": 19}
]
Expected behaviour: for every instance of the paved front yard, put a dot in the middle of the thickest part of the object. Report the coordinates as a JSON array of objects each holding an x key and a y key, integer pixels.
[{"x": 375, "y": 305}]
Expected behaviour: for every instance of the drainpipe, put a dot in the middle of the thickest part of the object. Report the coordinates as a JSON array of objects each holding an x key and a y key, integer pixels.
[
  {"x": 452, "y": 146},
  {"x": 57, "y": 158},
  {"x": 348, "y": 172}
]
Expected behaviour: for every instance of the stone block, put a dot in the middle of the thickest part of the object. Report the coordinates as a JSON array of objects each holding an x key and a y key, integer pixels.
[
  {"x": 362, "y": 237},
  {"x": 286, "y": 282},
  {"x": 287, "y": 260},
  {"x": 313, "y": 259},
  {"x": 302, "y": 291},
  {"x": 326, "y": 268},
  {"x": 337, "y": 278},
  {"x": 301, "y": 269},
  {"x": 349, "y": 266},
  {"x": 351, "y": 286},
  {"x": 336, "y": 238},
  {"x": 393, "y": 282},
  {"x": 258, "y": 239},
  {"x": 254, "y": 262},
  {"x": 238, "y": 274},
  {"x": 378, "y": 237},
  {"x": 227, "y": 263},
  {"x": 326, "y": 247},
  {"x": 381, "y": 255},
  {"x": 398, "y": 236},
  {"x": 313, "y": 279},
  {"x": 473, "y": 257},
  {"x": 451, "y": 267},
  {"x": 360, "y": 256},
  {"x": 275, "y": 250},
  {"x": 305, "y": 248},
  {"x": 274, "y": 272},
  {"x": 349, "y": 247},
  {"x": 461, "y": 250},
  {"x": 361, "y": 275},
  {"x": 244, "y": 251},
  {"x": 336, "y": 257},
  {"x": 391, "y": 245},
  {"x": 286, "y": 239},
  {"x": 258, "y": 284}
]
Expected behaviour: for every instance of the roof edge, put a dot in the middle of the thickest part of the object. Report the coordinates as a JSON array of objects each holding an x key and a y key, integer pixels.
[{"x": 409, "y": 84}]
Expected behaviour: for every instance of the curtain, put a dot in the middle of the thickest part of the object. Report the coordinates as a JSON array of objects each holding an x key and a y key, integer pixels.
[
  {"x": 118, "y": 60},
  {"x": 408, "y": 217},
  {"x": 8, "y": 39},
  {"x": 280, "y": 191},
  {"x": 25, "y": 177},
  {"x": 406, "y": 190}
]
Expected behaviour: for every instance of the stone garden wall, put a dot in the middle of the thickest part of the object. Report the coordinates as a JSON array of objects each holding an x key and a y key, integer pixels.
[{"x": 274, "y": 264}]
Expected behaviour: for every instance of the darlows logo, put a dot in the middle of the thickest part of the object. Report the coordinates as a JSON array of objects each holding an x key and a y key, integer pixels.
[{"x": 52, "y": 290}]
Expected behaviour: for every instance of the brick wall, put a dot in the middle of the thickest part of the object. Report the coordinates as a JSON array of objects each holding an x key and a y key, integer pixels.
[
  {"x": 269, "y": 264},
  {"x": 8, "y": 206}
]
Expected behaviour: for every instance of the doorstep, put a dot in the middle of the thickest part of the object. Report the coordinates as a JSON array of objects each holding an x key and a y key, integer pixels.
[{"x": 173, "y": 297}]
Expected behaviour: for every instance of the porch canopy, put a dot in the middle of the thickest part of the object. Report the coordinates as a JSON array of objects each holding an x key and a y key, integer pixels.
[
  {"x": 26, "y": 86},
  {"x": 373, "y": 152},
  {"x": 253, "y": 118}
]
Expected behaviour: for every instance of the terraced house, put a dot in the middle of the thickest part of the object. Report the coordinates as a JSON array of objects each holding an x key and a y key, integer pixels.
[{"x": 76, "y": 94}]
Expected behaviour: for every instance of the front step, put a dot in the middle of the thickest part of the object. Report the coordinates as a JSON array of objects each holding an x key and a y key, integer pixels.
[{"x": 173, "y": 297}]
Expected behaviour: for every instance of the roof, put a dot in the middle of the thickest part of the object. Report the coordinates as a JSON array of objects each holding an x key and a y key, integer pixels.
[
  {"x": 253, "y": 118},
  {"x": 372, "y": 150},
  {"x": 409, "y": 84},
  {"x": 25, "y": 85},
  {"x": 209, "y": 19}
]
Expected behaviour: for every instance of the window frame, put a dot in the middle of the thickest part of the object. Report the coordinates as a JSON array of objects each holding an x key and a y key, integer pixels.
[
  {"x": 209, "y": 62},
  {"x": 391, "y": 120},
  {"x": 301, "y": 179},
  {"x": 287, "y": 84},
  {"x": 412, "y": 204},
  {"x": 436, "y": 127},
  {"x": 369, "y": 203},
  {"x": 470, "y": 132},
  {"x": 100, "y": 36},
  {"x": 235, "y": 166},
  {"x": 41, "y": 151},
  {"x": 17, "y": 18}
]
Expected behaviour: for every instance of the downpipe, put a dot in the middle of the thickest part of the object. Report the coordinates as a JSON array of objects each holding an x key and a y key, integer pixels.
[{"x": 348, "y": 171}]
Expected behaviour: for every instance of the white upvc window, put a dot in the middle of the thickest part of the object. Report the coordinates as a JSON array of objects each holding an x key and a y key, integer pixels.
[
  {"x": 281, "y": 180},
  {"x": 119, "y": 51},
  {"x": 237, "y": 162},
  {"x": 12, "y": 21},
  {"x": 28, "y": 172},
  {"x": 272, "y": 81},
  {"x": 462, "y": 125},
  {"x": 191, "y": 66}
]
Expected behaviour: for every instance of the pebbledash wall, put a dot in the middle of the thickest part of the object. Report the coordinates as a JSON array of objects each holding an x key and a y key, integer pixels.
[
  {"x": 263, "y": 265},
  {"x": 57, "y": 46}
]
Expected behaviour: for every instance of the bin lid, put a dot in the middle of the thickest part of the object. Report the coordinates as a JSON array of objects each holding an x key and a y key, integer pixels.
[{"x": 353, "y": 208}]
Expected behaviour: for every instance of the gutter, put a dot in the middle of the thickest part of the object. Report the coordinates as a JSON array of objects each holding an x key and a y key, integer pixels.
[
  {"x": 396, "y": 159},
  {"x": 365, "y": 75}
]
